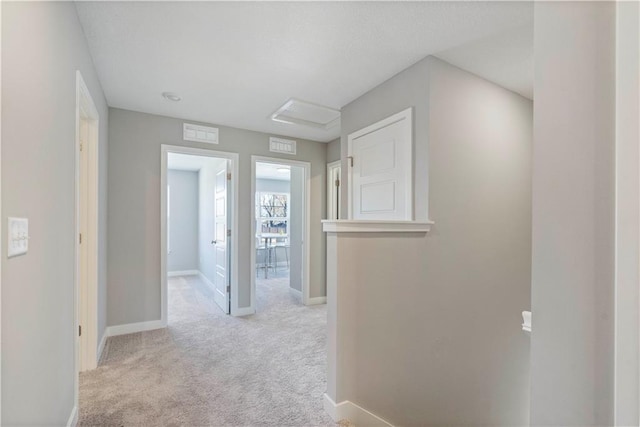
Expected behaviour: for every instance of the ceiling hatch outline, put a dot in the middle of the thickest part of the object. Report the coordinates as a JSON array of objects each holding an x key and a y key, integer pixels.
[{"x": 304, "y": 113}]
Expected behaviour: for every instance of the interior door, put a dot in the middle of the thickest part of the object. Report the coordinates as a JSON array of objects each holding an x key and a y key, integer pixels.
[
  {"x": 82, "y": 239},
  {"x": 221, "y": 241},
  {"x": 380, "y": 170}
]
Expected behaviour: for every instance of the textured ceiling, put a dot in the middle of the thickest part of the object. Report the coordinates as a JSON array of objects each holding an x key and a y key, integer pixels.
[
  {"x": 235, "y": 63},
  {"x": 505, "y": 58}
]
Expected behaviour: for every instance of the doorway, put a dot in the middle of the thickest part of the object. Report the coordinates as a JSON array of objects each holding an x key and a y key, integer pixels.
[
  {"x": 86, "y": 219},
  {"x": 280, "y": 228},
  {"x": 198, "y": 227},
  {"x": 334, "y": 180}
]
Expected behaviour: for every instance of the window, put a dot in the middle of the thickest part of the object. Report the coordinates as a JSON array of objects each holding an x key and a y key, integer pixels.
[{"x": 272, "y": 213}]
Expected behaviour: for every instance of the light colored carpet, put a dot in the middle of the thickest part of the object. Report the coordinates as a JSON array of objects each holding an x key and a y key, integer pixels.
[{"x": 210, "y": 369}]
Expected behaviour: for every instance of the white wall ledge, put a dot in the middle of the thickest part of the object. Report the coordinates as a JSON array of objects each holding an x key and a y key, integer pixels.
[{"x": 354, "y": 226}]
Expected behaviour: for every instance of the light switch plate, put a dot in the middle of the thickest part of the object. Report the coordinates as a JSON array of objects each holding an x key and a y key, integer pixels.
[{"x": 18, "y": 236}]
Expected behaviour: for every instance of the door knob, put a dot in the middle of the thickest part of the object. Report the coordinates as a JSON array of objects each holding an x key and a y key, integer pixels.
[{"x": 213, "y": 242}]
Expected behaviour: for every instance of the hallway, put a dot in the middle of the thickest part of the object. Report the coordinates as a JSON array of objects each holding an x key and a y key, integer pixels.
[{"x": 208, "y": 368}]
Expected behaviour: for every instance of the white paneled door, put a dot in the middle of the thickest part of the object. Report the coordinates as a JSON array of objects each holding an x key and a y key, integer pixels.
[
  {"x": 380, "y": 164},
  {"x": 221, "y": 240}
]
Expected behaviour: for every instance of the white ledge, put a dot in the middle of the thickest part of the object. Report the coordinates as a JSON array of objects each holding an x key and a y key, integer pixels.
[{"x": 355, "y": 226}]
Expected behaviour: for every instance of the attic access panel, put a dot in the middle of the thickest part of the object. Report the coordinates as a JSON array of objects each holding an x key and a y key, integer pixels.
[{"x": 304, "y": 113}]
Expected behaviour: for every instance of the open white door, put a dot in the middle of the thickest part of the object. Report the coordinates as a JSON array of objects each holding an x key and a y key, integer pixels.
[{"x": 221, "y": 240}]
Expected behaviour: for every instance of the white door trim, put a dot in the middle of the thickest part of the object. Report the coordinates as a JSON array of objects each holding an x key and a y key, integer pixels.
[
  {"x": 233, "y": 158},
  {"x": 86, "y": 310},
  {"x": 1, "y": 216},
  {"x": 331, "y": 190},
  {"x": 306, "y": 257}
]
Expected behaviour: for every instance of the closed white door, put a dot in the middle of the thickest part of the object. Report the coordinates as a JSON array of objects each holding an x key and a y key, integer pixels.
[
  {"x": 380, "y": 162},
  {"x": 221, "y": 240}
]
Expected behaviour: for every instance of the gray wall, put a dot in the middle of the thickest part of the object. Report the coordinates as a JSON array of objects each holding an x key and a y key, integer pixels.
[
  {"x": 573, "y": 214},
  {"x": 333, "y": 150},
  {"x": 428, "y": 327},
  {"x": 627, "y": 352},
  {"x": 42, "y": 47},
  {"x": 296, "y": 228},
  {"x": 134, "y": 208},
  {"x": 274, "y": 185},
  {"x": 183, "y": 224},
  {"x": 407, "y": 89}
]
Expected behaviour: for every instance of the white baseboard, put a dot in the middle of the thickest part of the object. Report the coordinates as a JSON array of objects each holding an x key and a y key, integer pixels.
[
  {"x": 206, "y": 281},
  {"x": 183, "y": 273},
  {"x": 103, "y": 341},
  {"x": 132, "y": 328},
  {"x": 296, "y": 294},
  {"x": 73, "y": 418},
  {"x": 317, "y": 300},
  {"x": 350, "y": 411},
  {"x": 243, "y": 311}
]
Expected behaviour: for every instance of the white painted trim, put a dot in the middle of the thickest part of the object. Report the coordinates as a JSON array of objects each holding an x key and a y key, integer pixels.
[
  {"x": 351, "y": 226},
  {"x": 407, "y": 117},
  {"x": 73, "y": 417},
  {"x": 244, "y": 311},
  {"x": 306, "y": 245},
  {"x": 234, "y": 160},
  {"x": 85, "y": 109},
  {"x": 132, "y": 328},
  {"x": 103, "y": 342},
  {"x": 296, "y": 294},
  {"x": 1, "y": 252},
  {"x": 183, "y": 273},
  {"x": 331, "y": 189},
  {"x": 626, "y": 387},
  {"x": 206, "y": 281},
  {"x": 317, "y": 300},
  {"x": 357, "y": 415}
]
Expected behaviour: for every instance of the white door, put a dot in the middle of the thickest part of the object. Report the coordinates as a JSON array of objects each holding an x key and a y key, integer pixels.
[
  {"x": 221, "y": 241},
  {"x": 380, "y": 170},
  {"x": 82, "y": 239}
]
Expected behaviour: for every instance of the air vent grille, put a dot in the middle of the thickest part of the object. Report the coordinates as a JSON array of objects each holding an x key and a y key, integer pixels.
[
  {"x": 199, "y": 133},
  {"x": 284, "y": 146}
]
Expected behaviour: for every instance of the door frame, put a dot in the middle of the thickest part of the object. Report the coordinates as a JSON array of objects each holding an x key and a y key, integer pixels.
[
  {"x": 331, "y": 190},
  {"x": 86, "y": 309},
  {"x": 232, "y": 195},
  {"x": 306, "y": 257}
]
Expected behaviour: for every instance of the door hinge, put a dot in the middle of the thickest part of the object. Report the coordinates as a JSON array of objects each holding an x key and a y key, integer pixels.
[
  {"x": 80, "y": 238},
  {"x": 337, "y": 183},
  {"x": 81, "y": 145},
  {"x": 228, "y": 233},
  {"x": 228, "y": 288},
  {"x": 229, "y": 176},
  {"x": 79, "y": 330},
  {"x": 350, "y": 160}
]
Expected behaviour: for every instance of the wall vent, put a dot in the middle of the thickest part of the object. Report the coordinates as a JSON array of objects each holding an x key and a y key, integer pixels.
[
  {"x": 199, "y": 133},
  {"x": 279, "y": 145}
]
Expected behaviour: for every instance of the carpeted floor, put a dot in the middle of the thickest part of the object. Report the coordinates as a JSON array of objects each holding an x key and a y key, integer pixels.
[{"x": 210, "y": 369}]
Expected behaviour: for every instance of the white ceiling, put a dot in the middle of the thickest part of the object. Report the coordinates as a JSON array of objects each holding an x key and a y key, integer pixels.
[
  {"x": 235, "y": 63},
  {"x": 510, "y": 54},
  {"x": 186, "y": 162},
  {"x": 270, "y": 171}
]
